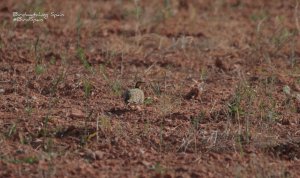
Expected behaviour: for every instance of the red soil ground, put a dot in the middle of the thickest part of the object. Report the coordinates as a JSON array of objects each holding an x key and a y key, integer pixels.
[{"x": 61, "y": 81}]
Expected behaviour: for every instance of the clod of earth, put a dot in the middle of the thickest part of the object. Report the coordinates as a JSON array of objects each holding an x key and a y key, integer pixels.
[
  {"x": 76, "y": 113},
  {"x": 221, "y": 64},
  {"x": 195, "y": 91}
]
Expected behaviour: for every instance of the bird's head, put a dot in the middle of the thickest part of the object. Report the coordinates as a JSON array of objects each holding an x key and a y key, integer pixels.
[{"x": 138, "y": 84}]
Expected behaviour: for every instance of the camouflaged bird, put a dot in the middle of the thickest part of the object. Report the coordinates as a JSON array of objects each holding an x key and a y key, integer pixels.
[
  {"x": 135, "y": 95},
  {"x": 195, "y": 91}
]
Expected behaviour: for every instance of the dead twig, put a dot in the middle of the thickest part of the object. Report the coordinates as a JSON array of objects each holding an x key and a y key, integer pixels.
[{"x": 296, "y": 16}]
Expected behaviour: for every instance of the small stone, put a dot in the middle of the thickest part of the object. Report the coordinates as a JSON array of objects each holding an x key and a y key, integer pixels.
[
  {"x": 221, "y": 64},
  {"x": 139, "y": 108},
  {"x": 285, "y": 121},
  {"x": 287, "y": 90},
  {"x": 76, "y": 113},
  {"x": 99, "y": 154},
  {"x": 298, "y": 97},
  {"x": 89, "y": 154},
  {"x": 297, "y": 102},
  {"x": 78, "y": 75},
  {"x": 296, "y": 87},
  {"x": 192, "y": 94},
  {"x": 2, "y": 90},
  {"x": 195, "y": 91}
]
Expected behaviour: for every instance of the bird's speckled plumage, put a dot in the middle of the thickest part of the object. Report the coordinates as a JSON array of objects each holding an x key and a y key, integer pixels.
[{"x": 135, "y": 95}]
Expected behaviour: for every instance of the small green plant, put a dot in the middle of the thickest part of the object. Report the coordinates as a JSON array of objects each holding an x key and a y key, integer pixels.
[
  {"x": 195, "y": 121},
  {"x": 287, "y": 90},
  {"x": 12, "y": 130},
  {"x": 1, "y": 44},
  {"x": 293, "y": 57},
  {"x": 82, "y": 58},
  {"x": 268, "y": 46},
  {"x": 138, "y": 10},
  {"x": 4, "y": 23},
  {"x": 163, "y": 13},
  {"x": 239, "y": 140},
  {"x": 48, "y": 145},
  {"x": 78, "y": 28},
  {"x": 281, "y": 37},
  {"x": 247, "y": 132},
  {"x": 44, "y": 131},
  {"x": 241, "y": 100},
  {"x": 39, "y": 69},
  {"x": 116, "y": 88},
  {"x": 28, "y": 110},
  {"x": 28, "y": 160},
  {"x": 234, "y": 106},
  {"x": 87, "y": 88},
  {"x": 161, "y": 138},
  {"x": 168, "y": 8},
  {"x": 56, "y": 82},
  {"x": 156, "y": 88},
  {"x": 244, "y": 136},
  {"x": 193, "y": 131},
  {"x": 158, "y": 168},
  {"x": 159, "y": 16},
  {"x": 83, "y": 140},
  {"x": 203, "y": 75},
  {"x": 166, "y": 104},
  {"x": 118, "y": 129},
  {"x": 52, "y": 60},
  {"x": 259, "y": 15},
  {"x": 272, "y": 116},
  {"x": 105, "y": 125},
  {"x": 146, "y": 129},
  {"x": 148, "y": 101},
  {"x": 36, "y": 48},
  {"x": 103, "y": 71}
]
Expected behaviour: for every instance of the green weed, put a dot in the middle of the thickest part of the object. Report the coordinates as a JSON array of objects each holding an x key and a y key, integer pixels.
[
  {"x": 81, "y": 56},
  {"x": 116, "y": 88},
  {"x": 87, "y": 88}
]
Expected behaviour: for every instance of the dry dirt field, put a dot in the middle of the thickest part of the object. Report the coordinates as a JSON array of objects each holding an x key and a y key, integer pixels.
[{"x": 222, "y": 88}]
